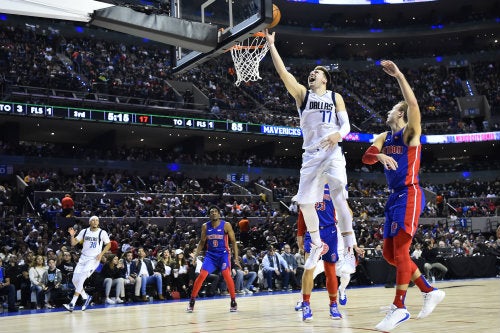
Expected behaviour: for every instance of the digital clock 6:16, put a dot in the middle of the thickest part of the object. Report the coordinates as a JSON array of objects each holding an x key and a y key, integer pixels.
[{"x": 118, "y": 117}]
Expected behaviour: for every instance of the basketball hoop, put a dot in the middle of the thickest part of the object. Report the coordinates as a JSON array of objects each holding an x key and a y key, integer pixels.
[{"x": 247, "y": 56}]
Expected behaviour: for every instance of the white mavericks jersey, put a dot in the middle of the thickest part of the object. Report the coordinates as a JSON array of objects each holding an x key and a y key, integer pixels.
[
  {"x": 318, "y": 118},
  {"x": 92, "y": 245}
]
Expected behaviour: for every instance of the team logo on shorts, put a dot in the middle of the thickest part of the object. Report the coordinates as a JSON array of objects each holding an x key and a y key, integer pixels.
[
  {"x": 326, "y": 248},
  {"x": 223, "y": 266},
  {"x": 394, "y": 227}
]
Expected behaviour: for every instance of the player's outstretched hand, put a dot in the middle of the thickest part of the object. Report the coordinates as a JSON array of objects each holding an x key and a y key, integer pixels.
[
  {"x": 71, "y": 231},
  {"x": 390, "y": 68},
  {"x": 269, "y": 37},
  {"x": 388, "y": 162}
]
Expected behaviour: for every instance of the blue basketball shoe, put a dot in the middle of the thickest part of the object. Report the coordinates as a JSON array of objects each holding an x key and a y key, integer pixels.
[
  {"x": 307, "y": 314},
  {"x": 334, "y": 312}
]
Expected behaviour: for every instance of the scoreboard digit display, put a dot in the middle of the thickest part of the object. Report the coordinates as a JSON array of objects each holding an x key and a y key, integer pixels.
[{"x": 200, "y": 124}]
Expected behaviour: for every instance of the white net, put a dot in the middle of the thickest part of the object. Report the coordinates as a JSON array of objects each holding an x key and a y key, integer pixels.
[{"x": 247, "y": 56}]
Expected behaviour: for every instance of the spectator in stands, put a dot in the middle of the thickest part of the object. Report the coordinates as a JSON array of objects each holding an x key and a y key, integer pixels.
[
  {"x": 180, "y": 269},
  {"x": 51, "y": 281},
  {"x": 163, "y": 266},
  {"x": 24, "y": 279},
  {"x": 301, "y": 260},
  {"x": 112, "y": 273},
  {"x": 244, "y": 227},
  {"x": 36, "y": 272},
  {"x": 457, "y": 248},
  {"x": 131, "y": 277},
  {"x": 248, "y": 280},
  {"x": 215, "y": 110},
  {"x": 417, "y": 252},
  {"x": 7, "y": 289},
  {"x": 275, "y": 267},
  {"x": 115, "y": 247},
  {"x": 67, "y": 266},
  {"x": 250, "y": 260},
  {"x": 430, "y": 254},
  {"x": 67, "y": 205},
  {"x": 289, "y": 257},
  {"x": 144, "y": 268},
  {"x": 14, "y": 271}
]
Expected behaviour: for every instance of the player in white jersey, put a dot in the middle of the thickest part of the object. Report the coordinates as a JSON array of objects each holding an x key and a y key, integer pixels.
[
  {"x": 92, "y": 240},
  {"x": 324, "y": 122}
]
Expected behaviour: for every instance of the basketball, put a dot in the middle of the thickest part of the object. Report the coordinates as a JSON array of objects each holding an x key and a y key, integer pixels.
[{"x": 276, "y": 17}]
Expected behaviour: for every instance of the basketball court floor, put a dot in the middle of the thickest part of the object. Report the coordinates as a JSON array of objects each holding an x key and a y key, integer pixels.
[{"x": 469, "y": 306}]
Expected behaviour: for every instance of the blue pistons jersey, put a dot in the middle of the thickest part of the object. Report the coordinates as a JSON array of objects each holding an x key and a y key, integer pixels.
[
  {"x": 217, "y": 256},
  {"x": 407, "y": 157},
  {"x": 327, "y": 228},
  {"x": 407, "y": 200}
]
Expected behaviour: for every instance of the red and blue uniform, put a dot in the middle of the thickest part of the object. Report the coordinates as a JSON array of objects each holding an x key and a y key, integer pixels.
[
  {"x": 407, "y": 200},
  {"x": 327, "y": 228},
  {"x": 217, "y": 255}
]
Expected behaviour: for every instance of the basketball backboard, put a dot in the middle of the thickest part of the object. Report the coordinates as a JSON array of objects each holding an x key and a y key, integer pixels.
[{"x": 235, "y": 21}]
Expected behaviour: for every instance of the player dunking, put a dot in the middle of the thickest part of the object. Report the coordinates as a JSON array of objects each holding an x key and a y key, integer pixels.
[
  {"x": 399, "y": 152},
  {"x": 324, "y": 122},
  {"x": 215, "y": 234},
  {"x": 92, "y": 239}
]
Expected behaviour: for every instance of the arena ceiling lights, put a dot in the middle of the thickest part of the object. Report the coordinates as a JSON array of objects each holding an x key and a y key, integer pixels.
[{"x": 80, "y": 10}]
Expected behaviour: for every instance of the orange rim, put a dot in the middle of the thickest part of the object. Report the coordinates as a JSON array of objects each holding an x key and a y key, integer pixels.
[{"x": 244, "y": 47}]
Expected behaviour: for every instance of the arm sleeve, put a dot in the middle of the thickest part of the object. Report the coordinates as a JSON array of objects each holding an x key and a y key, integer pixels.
[
  {"x": 370, "y": 155},
  {"x": 345, "y": 126},
  {"x": 301, "y": 225}
]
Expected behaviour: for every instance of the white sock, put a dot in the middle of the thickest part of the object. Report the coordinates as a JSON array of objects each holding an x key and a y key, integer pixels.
[{"x": 73, "y": 301}]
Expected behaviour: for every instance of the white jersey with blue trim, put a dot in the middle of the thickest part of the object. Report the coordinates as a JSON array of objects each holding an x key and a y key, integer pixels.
[
  {"x": 318, "y": 118},
  {"x": 92, "y": 243}
]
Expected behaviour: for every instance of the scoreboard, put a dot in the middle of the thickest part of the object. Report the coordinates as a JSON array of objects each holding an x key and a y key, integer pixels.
[
  {"x": 118, "y": 117},
  {"x": 59, "y": 112}
]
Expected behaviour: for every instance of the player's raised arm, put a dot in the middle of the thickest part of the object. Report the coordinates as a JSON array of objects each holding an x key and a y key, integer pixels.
[
  {"x": 413, "y": 128},
  {"x": 73, "y": 239},
  {"x": 296, "y": 89}
]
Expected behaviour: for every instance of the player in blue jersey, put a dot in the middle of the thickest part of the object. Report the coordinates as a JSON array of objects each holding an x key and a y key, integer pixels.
[
  {"x": 399, "y": 150},
  {"x": 332, "y": 260},
  {"x": 324, "y": 122},
  {"x": 214, "y": 240}
]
